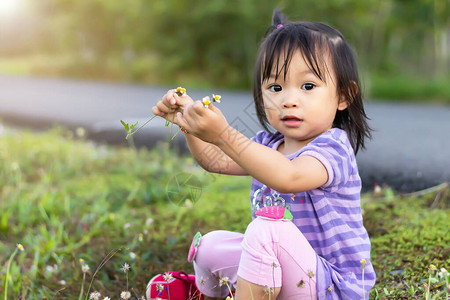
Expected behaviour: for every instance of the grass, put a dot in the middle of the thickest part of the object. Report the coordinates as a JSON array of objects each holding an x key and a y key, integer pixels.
[
  {"x": 403, "y": 87},
  {"x": 65, "y": 199}
]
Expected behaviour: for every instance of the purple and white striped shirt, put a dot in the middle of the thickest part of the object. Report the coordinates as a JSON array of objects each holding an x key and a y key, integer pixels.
[{"x": 329, "y": 216}]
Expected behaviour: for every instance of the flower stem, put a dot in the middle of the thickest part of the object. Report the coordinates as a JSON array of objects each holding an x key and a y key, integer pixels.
[
  {"x": 251, "y": 292},
  {"x": 175, "y": 134},
  {"x": 131, "y": 133},
  {"x": 7, "y": 272},
  {"x": 102, "y": 263},
  {"x": 82, "y": 286},
  {"x": 427, "y": 292},
  {"x": 364, "y": 291}
]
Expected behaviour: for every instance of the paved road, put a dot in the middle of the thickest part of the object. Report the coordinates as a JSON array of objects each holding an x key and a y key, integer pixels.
[{"x": 409, "y": 150}]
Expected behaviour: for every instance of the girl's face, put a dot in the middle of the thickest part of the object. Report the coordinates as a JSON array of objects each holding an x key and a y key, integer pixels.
[{"x": 301, "y": 106}]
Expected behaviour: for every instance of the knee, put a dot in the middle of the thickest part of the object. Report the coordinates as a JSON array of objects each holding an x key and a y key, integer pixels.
[
  {"x": 214, "y": 245},
  {"x": 264, "y": 230}
]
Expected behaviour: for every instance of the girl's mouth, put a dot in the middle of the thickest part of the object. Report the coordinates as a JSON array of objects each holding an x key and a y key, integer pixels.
[{"x": 291, "y": 121}]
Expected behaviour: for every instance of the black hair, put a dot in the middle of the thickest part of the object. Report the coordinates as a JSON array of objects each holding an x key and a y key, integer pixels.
[{"x": 316, "y": 42}]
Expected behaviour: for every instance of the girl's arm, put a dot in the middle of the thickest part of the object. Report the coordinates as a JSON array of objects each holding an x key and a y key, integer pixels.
[
  {"x": 212, "y": 158},
  {"x": 263, "y": 163},
  {"x": 271, "y": 167}
]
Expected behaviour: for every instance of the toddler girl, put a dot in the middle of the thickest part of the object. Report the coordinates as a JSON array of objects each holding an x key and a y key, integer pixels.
[{"x": 307, "y": 239}]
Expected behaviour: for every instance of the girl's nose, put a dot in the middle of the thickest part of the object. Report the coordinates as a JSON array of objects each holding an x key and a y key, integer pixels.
[{"x": 290, "y": 102}]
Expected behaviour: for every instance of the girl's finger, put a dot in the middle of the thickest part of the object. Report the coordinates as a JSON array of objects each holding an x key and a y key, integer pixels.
[
  {"x": 167, "y": 99},
  {"x": 163, "y": 107},
  {"x": 198, "y": 108},
  {"x": 182, "y": 122},
  {"x": 157, "y": 112},
  {"x": 188, "y": 114}
]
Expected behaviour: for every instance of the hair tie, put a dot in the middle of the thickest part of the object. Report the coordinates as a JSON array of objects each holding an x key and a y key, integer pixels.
[{"x": 279, "y": 26}]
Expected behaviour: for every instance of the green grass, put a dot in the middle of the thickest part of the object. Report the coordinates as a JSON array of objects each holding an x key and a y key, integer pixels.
[
  {"x": 409, "y": 88},
  {"x": 64, "y": 198}
]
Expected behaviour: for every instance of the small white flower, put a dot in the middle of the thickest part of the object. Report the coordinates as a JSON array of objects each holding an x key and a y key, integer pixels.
[
  {"x": 106, "y": 298},
  {"x": 20, "y": 247},
  {"x": 216, "y": 98},
  {"x": 201, "y": 281},
  {"x": 443, "y": 272},
  {"x": 95, "y": 296},
  {"x": 126, "y": 226},
  {"x": 149, "y": 221},
  {"x": 132, "y": 255},
  {"x": 125, "y": 268},
  {"x": 125, "y": 295},
  {"x": 80, "y": 132},
  {"x": 85, "y": 268},
  {"x": 224, "y": 280},
  {"x": 167, "y": 277},
  {"x": 62, "y": 282},
  {"x": 15, "y": 166},
  {"x": 269, "y": 290}
]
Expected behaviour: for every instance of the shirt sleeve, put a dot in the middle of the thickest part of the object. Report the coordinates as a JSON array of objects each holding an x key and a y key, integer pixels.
[
  {"x": 259, "y": 137},
  {"x": 334, "y": 155}
]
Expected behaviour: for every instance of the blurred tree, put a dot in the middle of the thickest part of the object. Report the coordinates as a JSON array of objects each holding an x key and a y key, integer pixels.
[{"x": 214, "y": 42}]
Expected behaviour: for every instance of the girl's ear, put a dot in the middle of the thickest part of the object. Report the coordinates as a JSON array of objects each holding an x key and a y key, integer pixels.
[
  {"x": 345, "y": 99},
  {"x": 343, "y": 104}
]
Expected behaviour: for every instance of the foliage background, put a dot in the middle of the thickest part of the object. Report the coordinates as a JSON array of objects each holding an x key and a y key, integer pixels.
[{"x": 403, "y": 46}]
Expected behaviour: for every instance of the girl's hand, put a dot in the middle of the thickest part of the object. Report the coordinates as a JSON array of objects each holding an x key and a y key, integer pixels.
[
  {"x": 170, "y": 104},
  {"x": 206, "y": 123}
]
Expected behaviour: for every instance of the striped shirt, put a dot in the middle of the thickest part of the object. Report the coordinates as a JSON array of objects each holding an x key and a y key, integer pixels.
[{"x": 329, "y": 216}]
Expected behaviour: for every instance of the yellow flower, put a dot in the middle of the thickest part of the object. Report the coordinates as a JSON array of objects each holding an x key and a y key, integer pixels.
[
  {"x": 363, "y": 263},
  {"x": 433, "y": 267},
  {"x": 181, "y": 91},
  {"x": 20, "y": 247},
  {"x": 112, "y": 216},
  {"x": 206, "y": 101},
  {"x": 216, "y": 98}
]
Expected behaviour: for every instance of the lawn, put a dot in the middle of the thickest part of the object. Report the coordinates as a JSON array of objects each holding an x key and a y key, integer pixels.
[{"x": 74, "y": 204}]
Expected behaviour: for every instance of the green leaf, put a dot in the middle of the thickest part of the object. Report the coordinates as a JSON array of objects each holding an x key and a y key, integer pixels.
[
  {"x": 127, "y": 127},
  {"x": 134, "y": 125}
]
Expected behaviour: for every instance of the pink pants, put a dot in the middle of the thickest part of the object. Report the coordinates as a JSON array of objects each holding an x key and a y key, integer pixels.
[{"x": 271, "y": 253}]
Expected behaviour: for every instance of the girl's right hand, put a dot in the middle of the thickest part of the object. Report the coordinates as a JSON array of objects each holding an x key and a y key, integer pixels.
[{"x": 170, "y": 104}]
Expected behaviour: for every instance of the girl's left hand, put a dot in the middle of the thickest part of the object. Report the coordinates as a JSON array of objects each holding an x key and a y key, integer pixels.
[{"x": 206, "y": 123}]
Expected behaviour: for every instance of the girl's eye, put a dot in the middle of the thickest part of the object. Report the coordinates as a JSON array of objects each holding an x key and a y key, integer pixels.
[
  {"x": 308, "y": 86},
  {"x": 275, "y": 88}
]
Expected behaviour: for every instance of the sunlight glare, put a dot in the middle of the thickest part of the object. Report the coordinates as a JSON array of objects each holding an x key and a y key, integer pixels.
[{"x": 9, "y": 7}]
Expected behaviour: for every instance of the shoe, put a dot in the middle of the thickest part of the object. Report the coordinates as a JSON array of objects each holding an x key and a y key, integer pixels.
[{"x": 180, "y": 286}]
